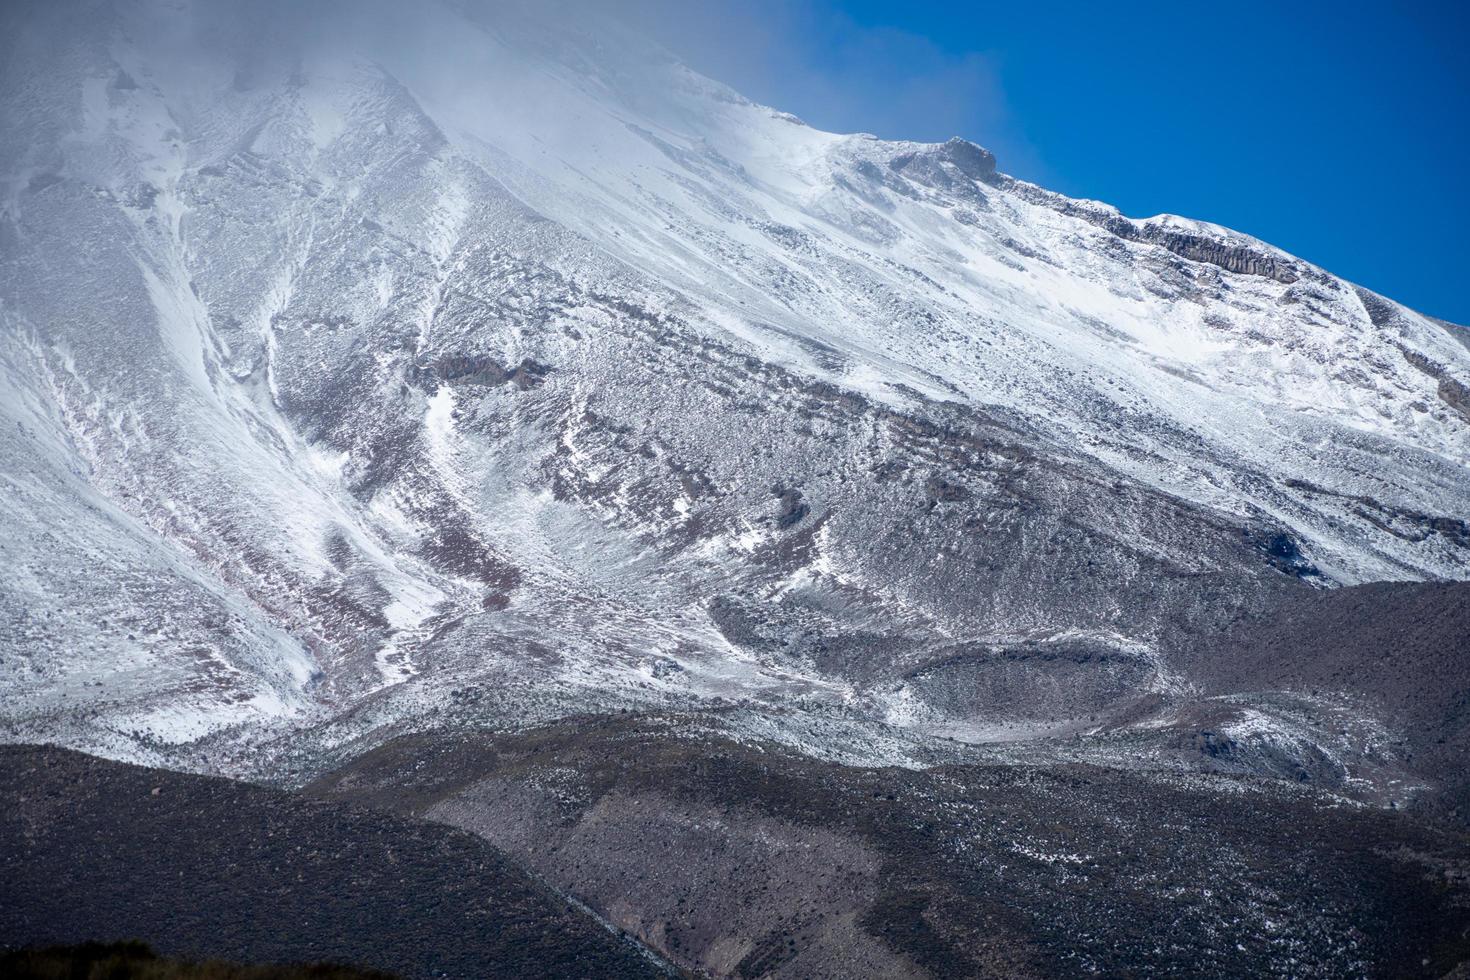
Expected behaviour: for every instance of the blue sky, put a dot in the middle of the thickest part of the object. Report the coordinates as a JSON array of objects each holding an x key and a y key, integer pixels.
[{"x": 1338, "y": 131}]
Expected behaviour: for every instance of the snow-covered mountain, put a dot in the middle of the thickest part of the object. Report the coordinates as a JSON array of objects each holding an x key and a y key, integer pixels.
[{"x": 482, "y": 365}]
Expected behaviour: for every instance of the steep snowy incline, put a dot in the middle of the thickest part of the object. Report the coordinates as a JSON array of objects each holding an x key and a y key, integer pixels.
[
  {"x": 477, "y": 365},
  {"x": 1145, "y": 342}
]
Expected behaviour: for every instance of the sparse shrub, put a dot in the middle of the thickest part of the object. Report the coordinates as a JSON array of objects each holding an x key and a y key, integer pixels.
[{"x": 136, "y": 961}]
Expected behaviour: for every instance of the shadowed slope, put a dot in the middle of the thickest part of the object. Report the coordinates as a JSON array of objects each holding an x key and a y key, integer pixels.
[{"x": 203, "y": 867}]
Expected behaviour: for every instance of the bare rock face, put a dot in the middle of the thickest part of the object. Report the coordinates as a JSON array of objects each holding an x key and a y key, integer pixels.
[
  {"x": 944, "y": 163},
  {"x": 1237, "y": 256},
  {"x": 1451, "y": 391},
  {"x": 973, "y": 161},
  {"x": 1198, "y": 248}
]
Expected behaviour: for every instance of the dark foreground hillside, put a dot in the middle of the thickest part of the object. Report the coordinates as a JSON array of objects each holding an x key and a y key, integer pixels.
[
  {"x": 732, "y": 859},
  {"x": 136, "y": 961},
  {"x": 207, "y": 868},
  {"x": 742, "y": 859}
]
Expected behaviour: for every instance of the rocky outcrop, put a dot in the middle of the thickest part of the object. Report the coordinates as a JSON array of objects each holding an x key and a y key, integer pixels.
[
  {"x": 792, "y": 508},
  {"x": 1231, "y": 256},
  {"x": 970, "y": 160},
  {"x": 470, "y": 369},
  {"x": 1199, "y": 248},
  {"x": 1451, "y": 391},
  {"x": 956, "y": 166},
  {"x": 959, "y": 166}
]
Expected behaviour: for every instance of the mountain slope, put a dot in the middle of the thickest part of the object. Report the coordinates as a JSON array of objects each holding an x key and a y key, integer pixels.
[
  {"x": 348, "y": 393},
  {"x": 787, "y": 866},
  {"x": 210, "y": 868}
]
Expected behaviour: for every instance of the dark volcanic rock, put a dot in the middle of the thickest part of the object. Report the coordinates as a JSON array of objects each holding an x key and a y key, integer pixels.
[
  {"x": 203, "y": 867},
  {"x": 746, "y": 860},
  {"x": 1401, "y": 648}
]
